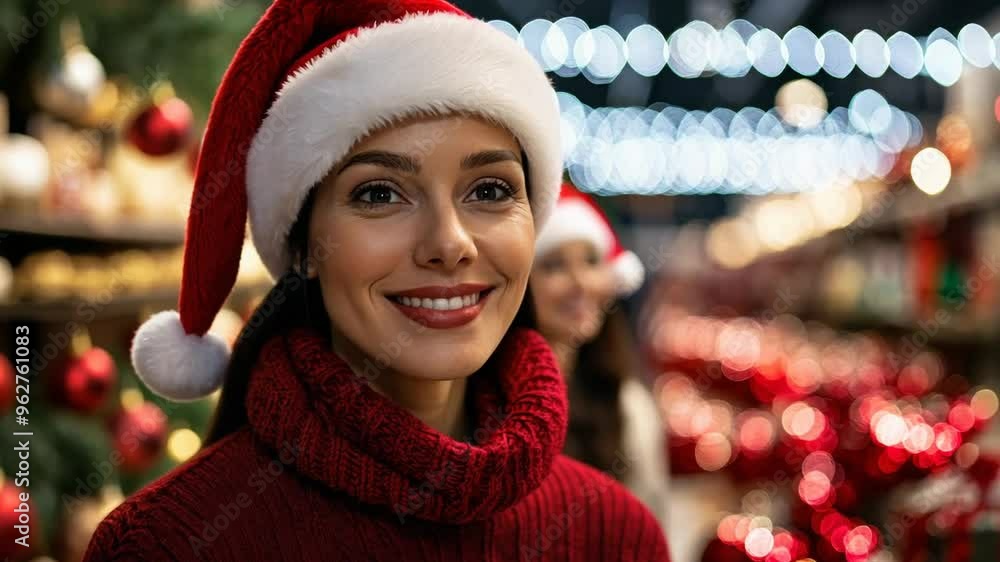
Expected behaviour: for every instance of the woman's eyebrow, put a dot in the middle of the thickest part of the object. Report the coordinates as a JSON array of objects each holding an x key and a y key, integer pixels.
[
  {"x": 393, "y": 160},
  {"x": 488, "y": 157}
]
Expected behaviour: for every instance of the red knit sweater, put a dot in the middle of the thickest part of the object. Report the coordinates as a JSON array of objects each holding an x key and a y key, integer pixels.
[{"x": 328, "y": 469}]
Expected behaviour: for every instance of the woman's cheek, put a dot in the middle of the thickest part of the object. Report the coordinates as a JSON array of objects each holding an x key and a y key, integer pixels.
[{"x": 515, "y": 242}]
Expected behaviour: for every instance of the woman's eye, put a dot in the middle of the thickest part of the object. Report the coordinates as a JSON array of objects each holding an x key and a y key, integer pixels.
[
  {"x": 493, "y": 190},
  {"x": 375, "y": 195}
]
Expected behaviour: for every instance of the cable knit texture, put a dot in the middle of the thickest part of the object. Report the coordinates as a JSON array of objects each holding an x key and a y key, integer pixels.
[{"x": 328, "y": 469}]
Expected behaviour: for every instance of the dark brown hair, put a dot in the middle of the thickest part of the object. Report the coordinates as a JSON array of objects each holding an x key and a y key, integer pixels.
[
  {"x": 292, "y": 302},
  {"x": 596, "y": 424}
]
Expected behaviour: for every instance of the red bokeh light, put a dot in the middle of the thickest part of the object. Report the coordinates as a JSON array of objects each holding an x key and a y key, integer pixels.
[
  {"x": 888, "y": 427},
  {"x": 962, "y": 417},
  {"x": 802, "y": 421},
  {"x": 815, "y": 488},
  {"x": 756, "y": 432},
  {"x": 919, "y": 438},
  {"x": 859, "y": 542},
  {"x": 759, "y": 542},
  {"x": 822, "y": 462},
  {"x": 729, "y": 530},
  {"x": 947, "y": 438}
]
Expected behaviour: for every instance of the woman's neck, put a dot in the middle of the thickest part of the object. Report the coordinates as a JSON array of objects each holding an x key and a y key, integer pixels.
[
  {"x": 438, "y": 403},
  {"x": 566, "y": 354}
]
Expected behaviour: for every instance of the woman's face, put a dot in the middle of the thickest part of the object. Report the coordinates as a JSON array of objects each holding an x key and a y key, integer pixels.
[
  {"x": 571, "y": 285},
  {"x": 410, "y": 214}
]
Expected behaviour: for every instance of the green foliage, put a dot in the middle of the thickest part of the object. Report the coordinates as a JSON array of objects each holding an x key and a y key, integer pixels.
[{"x": 188, "y": 46}]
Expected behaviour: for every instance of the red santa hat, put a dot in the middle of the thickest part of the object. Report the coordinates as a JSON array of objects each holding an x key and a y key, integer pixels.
[
  {"x": 310, "y": 80},
  {"x": 578, "y": 217}
]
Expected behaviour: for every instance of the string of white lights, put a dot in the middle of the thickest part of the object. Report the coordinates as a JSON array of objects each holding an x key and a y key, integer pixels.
[
  {"x": 664, "y": 149},
  {"x": 569, "y": 47}
]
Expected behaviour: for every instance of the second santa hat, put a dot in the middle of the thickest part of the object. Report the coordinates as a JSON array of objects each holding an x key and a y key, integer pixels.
[
  {"x": 578, "y": 217},
  {"x": 311, "y": 79}
]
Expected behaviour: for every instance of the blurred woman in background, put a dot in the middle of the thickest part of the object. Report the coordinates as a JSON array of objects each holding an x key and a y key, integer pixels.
[{"x": 580, "y": 272}]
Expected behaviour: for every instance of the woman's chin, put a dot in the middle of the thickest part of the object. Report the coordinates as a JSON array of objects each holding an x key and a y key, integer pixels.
[{"x": 447, "y": 365}]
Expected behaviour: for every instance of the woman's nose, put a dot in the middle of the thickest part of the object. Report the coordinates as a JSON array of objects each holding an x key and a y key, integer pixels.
[
  {"x": 576, "y": 281},
  {"x": 446, "y": 241}
]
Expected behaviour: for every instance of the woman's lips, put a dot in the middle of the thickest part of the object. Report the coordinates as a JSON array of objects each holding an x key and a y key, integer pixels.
[{"x": 443, "y": 319}]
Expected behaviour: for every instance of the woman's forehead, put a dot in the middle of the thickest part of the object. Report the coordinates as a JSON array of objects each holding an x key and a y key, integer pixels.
[{"x": 422, "y": 136}]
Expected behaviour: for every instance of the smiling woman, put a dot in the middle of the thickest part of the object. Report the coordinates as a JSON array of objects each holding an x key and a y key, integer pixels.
[{"x": 392, "y": 384}]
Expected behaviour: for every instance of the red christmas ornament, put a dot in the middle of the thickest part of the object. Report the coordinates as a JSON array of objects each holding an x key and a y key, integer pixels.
[
  {"x": 7, "y": 384},
  {"x": 87, "y": 380},
  {"x": 162, "y": 129},
  {"x": 13, "y": 513},
  {"x": 139, "y": 435}
]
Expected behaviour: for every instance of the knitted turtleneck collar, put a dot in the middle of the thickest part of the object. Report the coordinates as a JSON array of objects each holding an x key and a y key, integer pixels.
[{"x": 344, "y": 434}]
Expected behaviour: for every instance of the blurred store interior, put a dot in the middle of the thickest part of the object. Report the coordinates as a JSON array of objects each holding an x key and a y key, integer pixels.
[{"x": 813, "y": 186}]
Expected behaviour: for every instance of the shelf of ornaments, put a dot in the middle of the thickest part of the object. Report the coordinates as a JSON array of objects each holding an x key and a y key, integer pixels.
[
  {"x": 906, "y": 289},
  {"x": 116, "y": 169},
  {"x": 54, "y": 286},
  {"x": 889, "y": 210}
]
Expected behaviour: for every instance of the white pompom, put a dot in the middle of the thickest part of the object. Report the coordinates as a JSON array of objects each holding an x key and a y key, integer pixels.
[
  {"x": 177, "y": 365},
  {"x": 629, "y": 273}
]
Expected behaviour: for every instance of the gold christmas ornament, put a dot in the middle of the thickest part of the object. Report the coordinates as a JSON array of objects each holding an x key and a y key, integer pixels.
[
  {"x": 45, "y": 276},
  {"x": 102, "y": 110}
]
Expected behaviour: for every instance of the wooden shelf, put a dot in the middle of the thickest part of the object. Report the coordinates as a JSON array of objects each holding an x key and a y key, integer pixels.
[
  {"x": 976, "y": 191},
  {"x": 955, "y": 332},
  {"x": 123, "y": 230},
  {"x": 973, "y": 191},
  {"x": 87, "y": 311}
]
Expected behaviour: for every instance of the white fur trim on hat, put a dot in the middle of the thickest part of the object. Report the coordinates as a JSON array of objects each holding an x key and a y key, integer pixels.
[
  {"x": 423, "y": 64},
  {"x": 176, "y": 365},
  {"x": 629, "y": 272},
  {"x": 573, "y": 219}
]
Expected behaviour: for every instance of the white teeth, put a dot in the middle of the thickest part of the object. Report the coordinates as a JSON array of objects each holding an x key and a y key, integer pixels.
[{"x": 453, "y": 303}]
